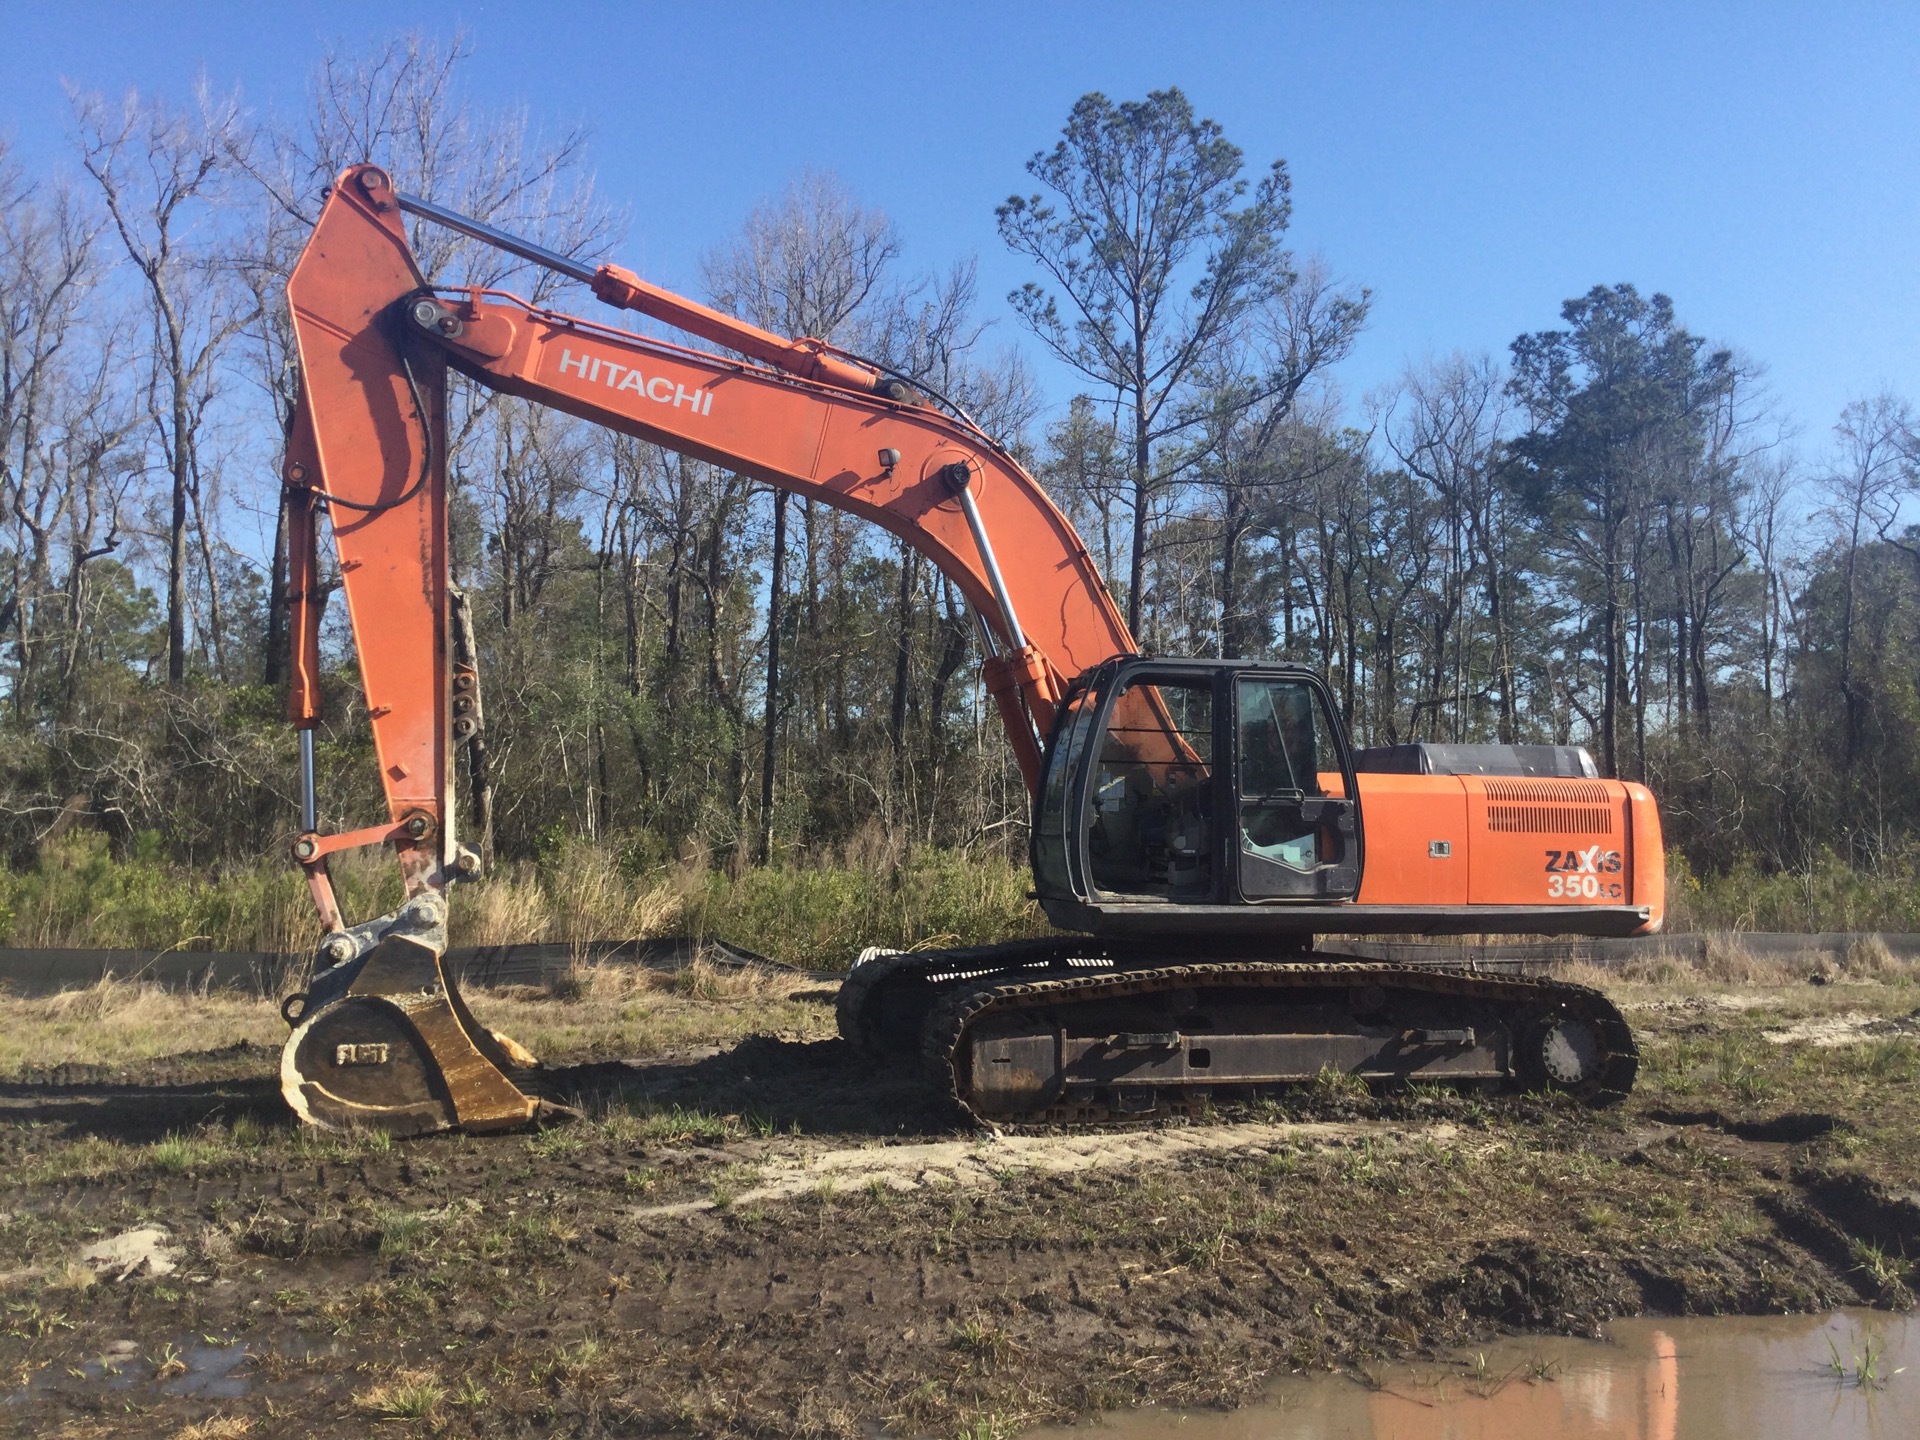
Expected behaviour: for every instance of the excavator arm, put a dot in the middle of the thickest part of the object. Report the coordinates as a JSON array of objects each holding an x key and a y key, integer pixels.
[{"x": 369, "y": 446}]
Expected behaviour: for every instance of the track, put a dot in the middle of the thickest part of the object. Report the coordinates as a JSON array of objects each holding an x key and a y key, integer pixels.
[{"x": 1071, "y": 1031}]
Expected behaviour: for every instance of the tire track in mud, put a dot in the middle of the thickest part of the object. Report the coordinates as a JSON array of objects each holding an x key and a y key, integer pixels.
[{"x": 984, "y": 1162}]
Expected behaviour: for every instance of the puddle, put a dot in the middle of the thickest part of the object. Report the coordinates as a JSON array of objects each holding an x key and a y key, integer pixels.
[
  {"x": 209, "y": 1372},
  {"x": 1699, "y": 1379},
  {"x": 195, "y": 1366}
]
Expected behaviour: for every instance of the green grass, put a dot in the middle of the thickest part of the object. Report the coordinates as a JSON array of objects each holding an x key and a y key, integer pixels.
[
  {"x": 184, "y": 1154},
  {"x": 402, "y": 1233},
  {"x": 1883, "y": 1269},
  {"x": 1867, "y": 1368},
  {"x": 1826, "y": 894},
  {"x": 671, "y": 1125},
  {"x": 983, "y": 1340}
]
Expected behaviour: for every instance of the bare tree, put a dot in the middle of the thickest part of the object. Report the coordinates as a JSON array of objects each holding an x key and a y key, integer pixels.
[
  {"x": 271, "y": 246},
  {"x": 1447, "y": 426},
  {"x": 1763, "y": 527},
  {"x": 163, "y": 175},
  {"x": 403, "y": 106},
  {"x": 807, "y": 264},
  {"x": 1875, "y": 468},
  {"x": 49, "y": 269},
  {"x": 1248, "y": 404}
]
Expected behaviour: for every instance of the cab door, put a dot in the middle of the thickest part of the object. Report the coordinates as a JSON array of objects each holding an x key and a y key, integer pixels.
[{"x": 1298, "y": 835}]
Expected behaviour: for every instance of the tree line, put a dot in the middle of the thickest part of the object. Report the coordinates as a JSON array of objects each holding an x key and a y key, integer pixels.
[{"x": 1605, "y": 537}]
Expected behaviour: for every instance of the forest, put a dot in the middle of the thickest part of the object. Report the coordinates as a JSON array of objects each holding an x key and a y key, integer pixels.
[{"x": 1608, "y": 535}]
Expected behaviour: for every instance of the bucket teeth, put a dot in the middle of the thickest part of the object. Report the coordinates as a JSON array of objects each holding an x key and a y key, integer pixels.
[{"x": 399, "y": 1051}]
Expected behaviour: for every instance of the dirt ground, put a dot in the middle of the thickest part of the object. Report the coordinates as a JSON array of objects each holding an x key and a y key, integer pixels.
[{"x": 755, "y": 1232}]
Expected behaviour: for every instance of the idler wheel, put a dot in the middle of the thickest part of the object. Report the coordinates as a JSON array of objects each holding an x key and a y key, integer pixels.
[{"x": 1562, "y": 1052}]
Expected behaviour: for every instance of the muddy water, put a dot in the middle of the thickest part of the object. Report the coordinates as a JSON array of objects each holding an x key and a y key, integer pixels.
[{"x": 1718, "y": 1379}]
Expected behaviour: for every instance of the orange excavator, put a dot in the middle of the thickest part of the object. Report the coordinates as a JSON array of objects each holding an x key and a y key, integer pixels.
[{"x": 1197, "y": 824}]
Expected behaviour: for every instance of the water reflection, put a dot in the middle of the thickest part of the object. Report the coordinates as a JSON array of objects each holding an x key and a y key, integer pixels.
[{"x": 1846, "y": 1375}]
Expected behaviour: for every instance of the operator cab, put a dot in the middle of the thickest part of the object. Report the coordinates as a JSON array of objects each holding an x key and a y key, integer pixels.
[{"x": 1171, "y": 785}]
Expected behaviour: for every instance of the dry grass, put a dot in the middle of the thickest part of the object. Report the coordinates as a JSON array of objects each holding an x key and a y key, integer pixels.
[
  {"x": 410, "y": 1395},
  {"x": 220, "y": 1427},
  {"x": 815, "y": 912},
  {"x": 617, "y": 982},
  {"x": 595, "y": 1009},
  {"x": 1729, "y": 961},
  {"x": 611, "y": 1008},
  {"x": 1868, "y": 958},
  {"x": 703, "y": 979},
  {"x": 583, "y": 896},
  {"x": 116, "y": 1021}
]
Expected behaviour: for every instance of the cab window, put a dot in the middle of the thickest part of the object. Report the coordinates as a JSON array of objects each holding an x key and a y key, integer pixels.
[
  {"x": 1150, "y": 808},
  {"x": 1054, "y": 867},
  {"x": 1297, "y": 831}
]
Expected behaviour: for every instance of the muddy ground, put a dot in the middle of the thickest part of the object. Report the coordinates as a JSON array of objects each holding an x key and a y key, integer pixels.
[{"x": 764, "y": 1235}]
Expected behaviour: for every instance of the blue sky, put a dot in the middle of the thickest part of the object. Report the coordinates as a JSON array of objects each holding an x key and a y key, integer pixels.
[{"x": 1473, "y": 164}]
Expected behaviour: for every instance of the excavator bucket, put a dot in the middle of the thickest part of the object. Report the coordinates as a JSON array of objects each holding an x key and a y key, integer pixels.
[{"x": 384, "y": 1040}]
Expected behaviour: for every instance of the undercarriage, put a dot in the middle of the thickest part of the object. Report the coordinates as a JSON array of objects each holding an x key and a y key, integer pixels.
[{"x": 1077, "y": 1031}]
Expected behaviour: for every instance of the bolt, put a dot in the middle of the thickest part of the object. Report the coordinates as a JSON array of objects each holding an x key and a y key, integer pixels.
[
  {"x": 956, "y": 476},
  {"x": 304, "y": 848},
  {"x": 337, "y": 948},
  {"x": 449, "y": 325},
  {"x": 468, "y": 863},
  {"x": 296, "y": 472},
  {"x": 416, "y": 826},
  {"x": 426, "y": 312}
]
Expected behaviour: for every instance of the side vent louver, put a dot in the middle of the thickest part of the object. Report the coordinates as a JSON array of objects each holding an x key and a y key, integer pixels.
[
  {"x": 1548, "y": 807},
  {"x": 1557, "y": 792}
]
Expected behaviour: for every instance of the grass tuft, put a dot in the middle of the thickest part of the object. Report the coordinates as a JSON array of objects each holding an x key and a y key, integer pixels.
[
  {"x": 1333, "y": 1083},
  {"x": 983, "y": 1340},
  {"x": 1866, "y": 1368},
  {"x": 402, "y": 1232},
  {"x": 182, "y": 1154},
  {"x": 1886, "y": 1271},
  {"x": 410, "y": 1395}
]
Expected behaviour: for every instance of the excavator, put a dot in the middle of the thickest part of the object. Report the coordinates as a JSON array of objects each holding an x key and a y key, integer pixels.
[{"x": 1197, "y": 824}]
